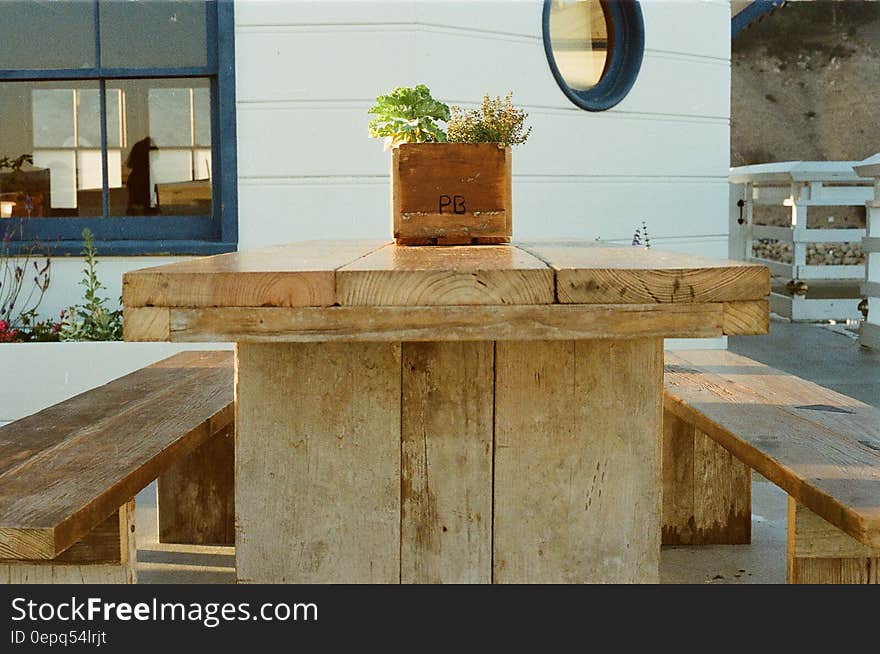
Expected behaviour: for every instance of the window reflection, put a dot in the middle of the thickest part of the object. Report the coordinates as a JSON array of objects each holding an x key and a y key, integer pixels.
[
  {"x": 59, "y": 124},
  {"x": 169, "y": 33},
  {"x": 580, "y": 38},
  {"x": 36, "y": 34},
  {"x": 43, "y": 119},
  {"x": 166, "y": 163}
]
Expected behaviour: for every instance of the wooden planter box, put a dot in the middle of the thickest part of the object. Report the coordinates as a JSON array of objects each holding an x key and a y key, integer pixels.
[{"x": 450, "y": 193}]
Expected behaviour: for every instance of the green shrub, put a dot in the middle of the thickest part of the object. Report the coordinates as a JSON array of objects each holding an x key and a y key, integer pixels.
[{"x": 496, "y": 121}]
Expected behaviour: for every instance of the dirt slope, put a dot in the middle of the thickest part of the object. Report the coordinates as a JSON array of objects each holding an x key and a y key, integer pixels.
[{"x": 806, "y": 84}]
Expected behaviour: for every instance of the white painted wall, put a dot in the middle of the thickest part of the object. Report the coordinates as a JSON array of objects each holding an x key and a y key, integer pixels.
[
  {"x": 66, "y": 273},
  {"x": 308, "y": 71}
]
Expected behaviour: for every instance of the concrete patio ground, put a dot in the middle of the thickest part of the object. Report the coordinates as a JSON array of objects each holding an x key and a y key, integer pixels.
[{"x": 829, "y": 356}]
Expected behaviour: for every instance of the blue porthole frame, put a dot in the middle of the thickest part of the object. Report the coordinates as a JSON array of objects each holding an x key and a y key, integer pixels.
[{"x": 625, "y": 59}]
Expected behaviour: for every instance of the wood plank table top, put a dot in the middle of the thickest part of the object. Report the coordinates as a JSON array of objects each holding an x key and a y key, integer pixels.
[{"x": 375, "y": 291}]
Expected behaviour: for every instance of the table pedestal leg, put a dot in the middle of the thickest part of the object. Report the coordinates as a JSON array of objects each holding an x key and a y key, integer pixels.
[
  {"x": 577, "y": 461},
  {"x": 449, "y": 462},
  {"x": 446, "y": 475},
  {"x": 317, "y": 463}
]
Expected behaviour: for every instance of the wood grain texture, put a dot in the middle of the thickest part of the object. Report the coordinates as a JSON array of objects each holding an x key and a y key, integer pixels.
[
  {"x": 64, "y": 469},
  {"x": 819, "y": 446},
  {"x": 107, "y": 555},
  {"x": 318, "y": 463},
  {"x": 146, "y": 323},
  {"x": 459, "y": 275},
  {"x": 819, "y": 553},
  {"x": 833, "y": 571},
  {"x": 576, "y": 478},
  {"x": 722, "y": 495},
  {"x": 452, "y": 191},
  {"x": 196, "y": 495},
  {"x": 456, "y": 323},
  {"x": 799, "y": 396},
  {"x": 595, "y": 273},
  {"x": 300, "y": 274},
  {"x": 706, "y": 494},
  {"x": 677, "y": 479},
  {"x": 446, "y": 462},
  {"x": 746, "y": 318}
]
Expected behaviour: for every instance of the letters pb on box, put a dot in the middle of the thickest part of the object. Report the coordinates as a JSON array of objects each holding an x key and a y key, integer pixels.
[{"x": 451, "y": 193}]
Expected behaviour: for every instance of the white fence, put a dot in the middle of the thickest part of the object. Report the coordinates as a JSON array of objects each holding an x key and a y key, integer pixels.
[
  {"x": 869, "y": 334},
  {"x": 797, "y": 186}
]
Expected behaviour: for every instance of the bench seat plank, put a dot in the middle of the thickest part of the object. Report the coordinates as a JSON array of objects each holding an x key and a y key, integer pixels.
[
  {"x": 821, "y": 447},
  {"x": 68, "y": 467}
]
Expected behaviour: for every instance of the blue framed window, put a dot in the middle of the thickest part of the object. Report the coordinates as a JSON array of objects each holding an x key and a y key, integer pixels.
[
  {"x": 594, "y": 49},
  {"x": 126, "y": 112}
]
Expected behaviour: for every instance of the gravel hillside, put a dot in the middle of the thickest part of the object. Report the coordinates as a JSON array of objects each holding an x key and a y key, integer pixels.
[{"x": 806, "y": 85}]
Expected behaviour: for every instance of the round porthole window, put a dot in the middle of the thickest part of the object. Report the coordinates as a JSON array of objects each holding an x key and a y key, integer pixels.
[{"x": 594, "y": 48}]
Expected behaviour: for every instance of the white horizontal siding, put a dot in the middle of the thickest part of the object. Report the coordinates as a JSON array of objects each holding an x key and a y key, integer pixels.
[
  {"x": 331, "y": 140},
  {"x": 308, "y": 71},
  {"x": 290, "y": 210},
  {"x": 612, "y": 209},
  {"x": 371, "y": 63},
  {"x": 683, "y": 26}
]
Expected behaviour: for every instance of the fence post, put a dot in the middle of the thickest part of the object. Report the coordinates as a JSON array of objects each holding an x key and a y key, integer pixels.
[
  {"x": 737, "y": 235},
  {"x": 869, "y": 333}
]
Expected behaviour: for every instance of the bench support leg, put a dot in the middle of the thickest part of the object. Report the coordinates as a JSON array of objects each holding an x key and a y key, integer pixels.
[
  {"x": 196, "y": 496},
  {"x": 706, "y": 491},
  {"x": 105, "y": 556},
  {"x": 819, "y": 553}
]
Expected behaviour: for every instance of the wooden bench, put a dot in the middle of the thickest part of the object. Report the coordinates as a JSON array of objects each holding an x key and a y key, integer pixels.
[
  {"x": 725, "y": 414},
  {"x": 68, "y": 474}
]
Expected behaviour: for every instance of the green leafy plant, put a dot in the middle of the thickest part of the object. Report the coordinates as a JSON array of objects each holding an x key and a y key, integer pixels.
[
  {"x": 93, "y": 320},
  {"x": 495, "y": 121},
  {"x": 408, "y": 115}
]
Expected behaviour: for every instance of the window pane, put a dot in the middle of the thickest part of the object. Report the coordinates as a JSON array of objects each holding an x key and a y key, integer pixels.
[
  {"x": 153, "y": 33},
  {"x": 54, "y": 117},
  {"x": 171, "y": 116},
  {"x": 161, "y": 168},
  {"x": 202, "y": 115},
  {"x": 41, "y": 119},
  {"x": 579, "y": 36},
  {"x": 88, "y": 123},
  {"x": 35, "y": 34}
]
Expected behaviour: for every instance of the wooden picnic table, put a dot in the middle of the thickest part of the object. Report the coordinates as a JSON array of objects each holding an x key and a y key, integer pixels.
[{"x": 464, "y": 414}]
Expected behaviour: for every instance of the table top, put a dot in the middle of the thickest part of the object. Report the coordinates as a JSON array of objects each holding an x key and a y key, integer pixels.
[{"x": 369, "y": 291}]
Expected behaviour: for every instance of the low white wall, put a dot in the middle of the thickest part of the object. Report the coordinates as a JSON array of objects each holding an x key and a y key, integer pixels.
[
  {"x": 67, "y": 272},
  {"x": 38, "y": 375}
]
